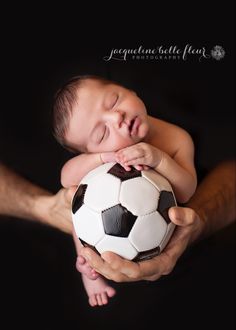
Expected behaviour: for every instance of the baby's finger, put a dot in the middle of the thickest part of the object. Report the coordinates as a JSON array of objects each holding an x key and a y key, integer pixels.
[
  {"x": 129, "y": 154},
  {"x": 135, "y": 162},
  {"x": 139, "y": 167},
  {"x": 127, "y": 168},
  {"x": 121, "y": 159}
]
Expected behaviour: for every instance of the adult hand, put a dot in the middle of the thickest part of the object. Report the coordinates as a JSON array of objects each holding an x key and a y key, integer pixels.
[
  {"x": 189, "y": 228},
  {"x": 55, "y": 210}
]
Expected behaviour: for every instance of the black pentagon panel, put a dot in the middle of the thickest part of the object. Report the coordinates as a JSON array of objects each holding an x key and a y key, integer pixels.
[
  {"x": 118, "y": 221},
  {"x": 118, "y": 171},
  {"x": 166, "y": 201},
  {"x": 147, "y": 254},
  {"x": 78, "y": 198}
]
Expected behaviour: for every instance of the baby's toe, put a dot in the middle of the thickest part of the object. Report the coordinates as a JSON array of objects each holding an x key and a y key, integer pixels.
[
  {"x": 93, "y": 300},
  {"x": 104, "y": 298},
  {"x": 110, "y": 291}
]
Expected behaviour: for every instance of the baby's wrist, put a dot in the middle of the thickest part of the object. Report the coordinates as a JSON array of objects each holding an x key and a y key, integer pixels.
[
  {"x": 158, "y": 160},
  {"x": 107, "y": 157}
]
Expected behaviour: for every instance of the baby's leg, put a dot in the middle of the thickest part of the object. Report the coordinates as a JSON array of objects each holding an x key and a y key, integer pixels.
[
  {"x": 98, "y": 291},
  {"x": 81, "y": 264},
  {"x": 96, "y": 287},
  {"x": 83, "y": 267}
]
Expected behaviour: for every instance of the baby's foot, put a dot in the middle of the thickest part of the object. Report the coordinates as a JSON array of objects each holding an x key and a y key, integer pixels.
[
  {"x": 98, "y": 291},
  {"x": 83, "y": 267}
]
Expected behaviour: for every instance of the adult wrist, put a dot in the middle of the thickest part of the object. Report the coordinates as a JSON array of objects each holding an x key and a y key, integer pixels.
[{"x": 41, "y": 208}]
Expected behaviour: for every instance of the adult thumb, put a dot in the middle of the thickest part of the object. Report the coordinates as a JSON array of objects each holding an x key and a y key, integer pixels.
[{"x": 181, "y": 216}]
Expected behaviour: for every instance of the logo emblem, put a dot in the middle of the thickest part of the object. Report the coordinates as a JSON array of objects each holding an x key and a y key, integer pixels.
[{"x": 218, "y": 53}]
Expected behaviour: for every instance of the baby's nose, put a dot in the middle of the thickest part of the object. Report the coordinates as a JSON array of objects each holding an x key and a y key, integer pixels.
[{"x": 116, "y": 118}]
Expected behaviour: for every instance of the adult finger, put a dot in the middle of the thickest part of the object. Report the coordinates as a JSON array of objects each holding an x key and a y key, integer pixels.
[
  {"x": 123, "y": 266},
  {"x": 101, "y": 266},
  {"x": 135, "y": 271},
  {"x": 182, "y": 216}
]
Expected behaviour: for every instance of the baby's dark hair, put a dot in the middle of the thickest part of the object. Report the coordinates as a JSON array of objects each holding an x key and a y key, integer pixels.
[{"x": 64, "y": 102}]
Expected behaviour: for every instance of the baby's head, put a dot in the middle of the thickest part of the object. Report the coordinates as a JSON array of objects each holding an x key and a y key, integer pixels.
[{"x": 93, "y": 114}]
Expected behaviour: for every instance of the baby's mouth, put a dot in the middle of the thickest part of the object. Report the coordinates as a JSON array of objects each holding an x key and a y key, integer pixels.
[
  {"x": 134, "y": 125},
  {"x": 131, "y": 125}
]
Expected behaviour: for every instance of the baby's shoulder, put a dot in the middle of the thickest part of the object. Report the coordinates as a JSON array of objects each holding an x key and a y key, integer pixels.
[
  {"x": 167, "y": 129},
  {"x": 168, "y": 135}
]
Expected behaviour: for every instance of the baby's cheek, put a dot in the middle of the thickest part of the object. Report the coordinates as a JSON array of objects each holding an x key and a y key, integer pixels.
[
  {"x": 143, "y": 131},
  {"x": 126, "y": 143}
]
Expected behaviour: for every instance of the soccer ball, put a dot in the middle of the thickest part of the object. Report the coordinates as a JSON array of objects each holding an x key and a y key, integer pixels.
[{"x": 125, "y": 212}]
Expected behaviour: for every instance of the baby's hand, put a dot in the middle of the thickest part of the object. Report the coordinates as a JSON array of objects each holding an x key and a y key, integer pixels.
[
  {"x": 107, "y": 157},
  {"x": 141, "y": 156}
]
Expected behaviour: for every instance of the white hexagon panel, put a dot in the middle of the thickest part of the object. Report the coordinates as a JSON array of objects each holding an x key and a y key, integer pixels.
[
  {"x": 88, "y": 225},
  {"x": 157, "y": 180},
  {"x": 148, "y": 231},
  {"x": 139, "y": 196},
  {"x": 166, "y": 238},
  {"x": 119, "y": 245},
  {"x": 102, "y": 192},
  {"x": 97, "y": 171}
]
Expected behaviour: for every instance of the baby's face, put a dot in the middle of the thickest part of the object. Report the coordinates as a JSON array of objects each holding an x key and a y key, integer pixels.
[{"x": 106, "y": 118}]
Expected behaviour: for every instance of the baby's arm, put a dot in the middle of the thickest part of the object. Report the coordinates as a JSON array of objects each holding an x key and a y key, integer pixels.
[
  {"x": 177, "y": 168},
  {"x": 77, "y": 167}
]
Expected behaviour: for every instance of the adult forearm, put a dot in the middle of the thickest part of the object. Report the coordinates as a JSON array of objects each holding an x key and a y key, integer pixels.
[
  {"x": 214, "y": 200},
  {"x": 18, "y": 196}
]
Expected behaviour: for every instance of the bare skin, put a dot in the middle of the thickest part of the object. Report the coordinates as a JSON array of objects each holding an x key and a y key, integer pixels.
[
  {"x": 210, "y": 209},
  {"x": 118, "y": 129},
  {"x": 97, "y": 289},
  {"x": 21, "y": 198}
]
